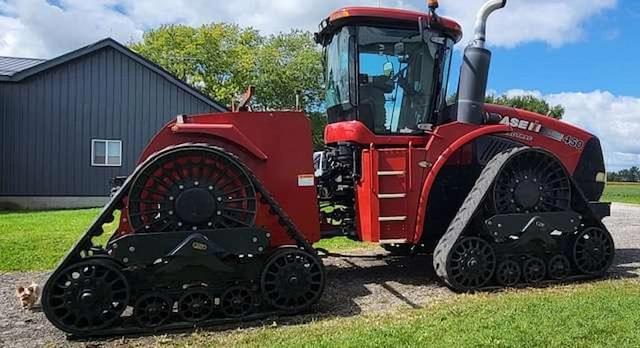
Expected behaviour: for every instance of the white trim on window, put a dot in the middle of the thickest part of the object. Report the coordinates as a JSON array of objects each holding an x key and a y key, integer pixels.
[{"x": 106, "y": 143}]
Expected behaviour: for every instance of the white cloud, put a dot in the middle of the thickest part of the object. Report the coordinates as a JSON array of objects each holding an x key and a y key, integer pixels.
[
  {"x": 555, "y": 22},
  {"x": 614, "y": 119},
  {"x": 37, "y": 28},
  {"x": 40, "y": 28}
]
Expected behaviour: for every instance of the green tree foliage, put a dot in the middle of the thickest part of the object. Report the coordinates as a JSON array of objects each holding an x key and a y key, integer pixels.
[
  {"x": 626, "y": 175},
  {"x": 289, "y": 65},
  {"x": 224, "y": 59},
  {"x": 530, "y": 103}
]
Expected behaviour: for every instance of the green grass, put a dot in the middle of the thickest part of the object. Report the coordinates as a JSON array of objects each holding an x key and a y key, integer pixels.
[
  {"x": 622, "y": 192},
  {"x": 342, "y": 244},
  {"x": 595, "y": 315},
  {"x": 38, "y": 240}
]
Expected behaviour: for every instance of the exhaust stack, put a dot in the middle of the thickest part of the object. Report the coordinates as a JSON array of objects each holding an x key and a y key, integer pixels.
[{"x": 474, "y": 72}]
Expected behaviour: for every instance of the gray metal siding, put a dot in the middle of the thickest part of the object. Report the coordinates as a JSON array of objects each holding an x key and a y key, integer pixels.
[{"x": 49, "y": 119}]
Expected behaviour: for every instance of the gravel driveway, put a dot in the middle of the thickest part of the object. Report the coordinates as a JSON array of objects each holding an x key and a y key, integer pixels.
[{"x": 361, "y": 283}]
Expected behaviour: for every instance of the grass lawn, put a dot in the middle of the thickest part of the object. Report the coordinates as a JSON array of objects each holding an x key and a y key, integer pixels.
[
  {"x": 603, "y": 314},
  {"x": 38, "y": 240},
  {"x": 622, "y": 192}
]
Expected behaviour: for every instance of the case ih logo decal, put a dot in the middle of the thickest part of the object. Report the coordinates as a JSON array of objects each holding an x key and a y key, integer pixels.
[
  {"x": 522, "y": 124},
  {"x": 536, "y": 127}
]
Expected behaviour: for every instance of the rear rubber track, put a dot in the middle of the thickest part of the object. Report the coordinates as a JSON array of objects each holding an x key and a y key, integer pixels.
[{"x": 84, "y": 249}]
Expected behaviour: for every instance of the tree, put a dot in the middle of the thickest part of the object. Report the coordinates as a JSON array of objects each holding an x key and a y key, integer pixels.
[
  {"x": 217, "y": 58},
  {"x": 625, "y": 175},
  {"x": 530, "y": 103},
  {"x": 289, "y": 65},
  {"x": 223, "y": 60}
]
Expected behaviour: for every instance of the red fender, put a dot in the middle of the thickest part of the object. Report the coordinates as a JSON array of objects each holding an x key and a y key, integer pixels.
[
  {"x": 226, "y": 131},
  {"x": 474, "y": 132}
]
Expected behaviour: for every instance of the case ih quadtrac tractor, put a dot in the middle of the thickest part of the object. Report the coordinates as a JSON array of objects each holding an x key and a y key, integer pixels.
[{"x": 218, "y": 221}]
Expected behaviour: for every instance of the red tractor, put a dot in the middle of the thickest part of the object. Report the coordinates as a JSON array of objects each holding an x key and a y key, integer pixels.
[{"x": 218, "y": 221}]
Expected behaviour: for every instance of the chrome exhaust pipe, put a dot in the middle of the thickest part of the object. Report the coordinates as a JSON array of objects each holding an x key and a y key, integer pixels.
[
  {"x": 474, "y": 72},
  {"x": 480, "y": 28}
]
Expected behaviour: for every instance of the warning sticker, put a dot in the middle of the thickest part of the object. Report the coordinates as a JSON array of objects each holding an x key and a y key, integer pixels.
[{"x": 306, "y": 180}]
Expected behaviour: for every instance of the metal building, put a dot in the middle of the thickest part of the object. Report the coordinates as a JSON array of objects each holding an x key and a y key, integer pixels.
[{"x": 70, "y": 124}]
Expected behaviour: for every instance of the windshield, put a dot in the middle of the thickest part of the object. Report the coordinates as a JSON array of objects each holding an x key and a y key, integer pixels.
[
  {"x": 386, "y": 78},
  {"x": 396, "y": 79}
]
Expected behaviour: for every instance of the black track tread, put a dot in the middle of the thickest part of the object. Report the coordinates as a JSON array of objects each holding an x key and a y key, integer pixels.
[
  {"x": 473, "y": 204},
  {"x": 467, "y": 211},
  {"x": 106, "y": 216}
]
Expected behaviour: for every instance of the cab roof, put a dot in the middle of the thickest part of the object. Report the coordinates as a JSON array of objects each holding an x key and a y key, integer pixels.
[{"x": 386, "y": 16}]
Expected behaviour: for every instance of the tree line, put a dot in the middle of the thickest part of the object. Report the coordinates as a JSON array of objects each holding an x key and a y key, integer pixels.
[{"x": 626, "y": 175}]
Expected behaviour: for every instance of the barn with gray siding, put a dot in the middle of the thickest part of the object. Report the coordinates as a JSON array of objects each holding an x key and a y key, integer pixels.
[{"x": 70, "y": 124}]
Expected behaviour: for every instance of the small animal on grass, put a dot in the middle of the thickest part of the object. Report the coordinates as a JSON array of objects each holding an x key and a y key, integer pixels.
[{"x": 28, "y": 296}]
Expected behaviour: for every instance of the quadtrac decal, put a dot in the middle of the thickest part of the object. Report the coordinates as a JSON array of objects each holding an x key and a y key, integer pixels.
[{"x": 535, "y": 127}]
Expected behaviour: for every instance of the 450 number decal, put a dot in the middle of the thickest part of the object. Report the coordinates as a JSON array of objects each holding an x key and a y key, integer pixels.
[{"x": 573, "y": 141}]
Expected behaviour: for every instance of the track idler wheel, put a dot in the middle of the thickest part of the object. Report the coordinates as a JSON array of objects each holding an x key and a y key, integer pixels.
[
  {"x": 237, "y": 302},
  {"x": 593, "y": 251},
  {"x": 508, "y": 273},
  {"x": 534, "y": 270},
  {"x": 152, "y": 310},
  {"x": 85, "y": 297},
  {"x": 292, "y": 280},
  {"x": 470, "y": 264},
  {"x": 195, "y": 305}
]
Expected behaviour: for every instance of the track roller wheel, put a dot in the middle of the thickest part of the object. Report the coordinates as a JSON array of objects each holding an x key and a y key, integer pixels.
[
  {"x": 593, "y": 251},
  {"x": 152, "y": 310},
  {"x": 88, "y": 296},
  {"x": 534, "y": 270},
  {"x": 237, "y": 302},
  {"x": 470, "y": 264},
  {"x": 508, "y": 273},
  {"x": 195, "y": 305},
  {"x": 292, "y": 279},
  {"x": 559, "y": 267}
]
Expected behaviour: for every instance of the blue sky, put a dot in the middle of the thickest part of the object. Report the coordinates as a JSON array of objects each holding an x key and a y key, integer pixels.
[
  {"x": 582, "y": 54},
  {"x": 606, "y": 58}
]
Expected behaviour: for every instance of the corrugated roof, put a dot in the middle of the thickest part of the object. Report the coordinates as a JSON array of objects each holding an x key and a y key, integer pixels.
[
  {"x": 11, "y": 65},
  {"x": 29, "y": 67}
]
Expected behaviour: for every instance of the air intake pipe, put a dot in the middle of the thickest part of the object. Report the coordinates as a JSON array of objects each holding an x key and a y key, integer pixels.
[{"x": 474, "y": 72}]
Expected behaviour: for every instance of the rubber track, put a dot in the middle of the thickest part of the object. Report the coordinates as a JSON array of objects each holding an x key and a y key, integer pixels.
[
  {"x": 106, "y": 216},
  {"x": 471, "y": 206},
  {"x": 468, "y": 210}
]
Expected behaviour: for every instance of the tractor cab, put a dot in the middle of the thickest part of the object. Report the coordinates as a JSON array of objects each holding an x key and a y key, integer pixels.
[{"x": 387, "y": 68}]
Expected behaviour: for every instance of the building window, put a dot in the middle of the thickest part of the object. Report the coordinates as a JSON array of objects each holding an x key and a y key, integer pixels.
[{"x": 106, "y": 153}]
